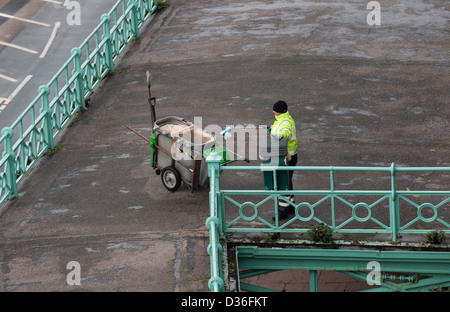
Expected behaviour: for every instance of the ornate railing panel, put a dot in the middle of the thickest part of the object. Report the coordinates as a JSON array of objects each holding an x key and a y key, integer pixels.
[
  {"x": 387, "y": 211},
  {"x": 344, "y": 211}
]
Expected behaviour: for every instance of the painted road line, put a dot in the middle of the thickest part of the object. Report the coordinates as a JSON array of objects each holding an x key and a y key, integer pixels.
[
  {"x": 3, "y": 104},
  {"x": 8, "y": 78},
  {"x": 53, "y": 1},
  {"x": 50, "y": 41},
  {"x": 24, "y": 20},
  {"x": 17, "y": 90},
  {"x": 6, "y": 44}
]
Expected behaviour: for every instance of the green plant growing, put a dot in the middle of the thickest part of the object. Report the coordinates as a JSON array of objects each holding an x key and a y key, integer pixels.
[
  {"x": 161, "y": 4},
  {"x": 53, "y": 151},
  {"x": 436, "y": 237},
  {"x": 321, "y": 233}
]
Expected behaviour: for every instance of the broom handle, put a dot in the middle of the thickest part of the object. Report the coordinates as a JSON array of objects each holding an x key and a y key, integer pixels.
[
  {"x": 143, "y": 137},
  {"x": 165, "y": 152},
  {"x": 149, "y": 84}
]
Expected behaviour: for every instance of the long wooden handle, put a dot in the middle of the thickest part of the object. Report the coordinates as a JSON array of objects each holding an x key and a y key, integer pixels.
[
  {"x": 149, "y": 84},
  {"x": 159, "y": 148},
  {"x": 138, "y": 133},
  {"x": 149, "y": 78}
]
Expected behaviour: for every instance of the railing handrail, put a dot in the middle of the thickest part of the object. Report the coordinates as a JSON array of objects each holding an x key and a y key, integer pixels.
[{"x": 332, "y": 168}]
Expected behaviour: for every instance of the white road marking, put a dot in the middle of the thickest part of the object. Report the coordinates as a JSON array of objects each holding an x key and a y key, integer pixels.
[
  {"x": 22, "y": 84},
  {"x": 53, "y": 1},
  {"x": 8, "y": 78},
  {"x": 50, "y": 41},
  {"x": 24, "y": 19},
  {"x": 6, "y": 101},
  {"x": 2, "y": 106},
  {"x": 17, "y": 47}
]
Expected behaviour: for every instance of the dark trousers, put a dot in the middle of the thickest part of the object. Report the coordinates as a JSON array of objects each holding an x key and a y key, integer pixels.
[
  {"x": 292, "y": 162},
  {"x": 284, "y": 207}
]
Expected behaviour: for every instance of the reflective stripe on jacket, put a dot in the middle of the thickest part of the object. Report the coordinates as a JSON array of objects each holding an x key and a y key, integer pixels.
[{"x": 284, "y": 127}]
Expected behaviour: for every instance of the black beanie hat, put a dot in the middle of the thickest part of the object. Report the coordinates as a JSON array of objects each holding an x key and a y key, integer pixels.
[{"x": 280, "y": 107}]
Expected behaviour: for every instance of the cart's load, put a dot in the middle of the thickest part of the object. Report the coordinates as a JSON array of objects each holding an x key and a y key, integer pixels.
[
  {"x": 195, "y": 135},
  {"x": 187, "y": 140},
  {"x": 180, "y": 144},
  {"x": 172, "y": 130}
]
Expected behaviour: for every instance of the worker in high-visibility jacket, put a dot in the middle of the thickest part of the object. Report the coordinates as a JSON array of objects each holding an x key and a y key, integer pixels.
[{"x": 284, "y": 127}]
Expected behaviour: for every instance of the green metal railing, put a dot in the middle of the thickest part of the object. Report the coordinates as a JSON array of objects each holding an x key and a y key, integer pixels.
[
  {"x": 35, "y": 131},
  {"x": 400, "y": 211},
  {"x": 398, "y": 270}
]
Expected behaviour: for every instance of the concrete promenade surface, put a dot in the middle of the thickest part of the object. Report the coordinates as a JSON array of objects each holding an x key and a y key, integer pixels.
[{"x": 361, "y": 96}]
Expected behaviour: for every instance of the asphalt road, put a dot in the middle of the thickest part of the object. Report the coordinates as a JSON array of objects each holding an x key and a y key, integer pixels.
[
  {"x": 36, "y": 37},
  {"x": 360, "y": 95}
]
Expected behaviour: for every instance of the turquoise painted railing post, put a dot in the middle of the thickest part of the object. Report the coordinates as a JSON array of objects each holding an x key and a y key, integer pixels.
[
  {"x": 109, "y": 62},
  {"x": 78, "y": 74},
  {"x": 213, "y": 223},
  {"x": 393, "y": 204},
  {"x": 133, "y": 18},
  {"x": 213, "y": 162},
  {"x": 313, "y": 284},
  {"x": 47, "y": 127},
  {"x": 332, "y": 197},
  {"x": 10, "y": 170},
  {"x": 150, "y": 5}
]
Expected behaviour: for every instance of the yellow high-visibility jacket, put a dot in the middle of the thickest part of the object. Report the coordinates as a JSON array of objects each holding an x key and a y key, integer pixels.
[{"x": 284, "y": 127}]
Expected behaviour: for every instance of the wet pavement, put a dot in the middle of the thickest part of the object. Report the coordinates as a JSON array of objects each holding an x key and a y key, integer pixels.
[{"x": 361, "y": 96}]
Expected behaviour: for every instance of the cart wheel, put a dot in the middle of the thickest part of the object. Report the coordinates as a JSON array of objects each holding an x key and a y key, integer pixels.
[{"x": 170, "y": 178}]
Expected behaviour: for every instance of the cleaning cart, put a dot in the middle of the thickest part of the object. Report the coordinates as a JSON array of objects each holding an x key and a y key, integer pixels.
[{"x": 179, "y": 149}]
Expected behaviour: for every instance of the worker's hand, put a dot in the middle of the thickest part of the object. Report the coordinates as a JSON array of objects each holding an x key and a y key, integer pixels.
[{"x": 277, "y": 136}]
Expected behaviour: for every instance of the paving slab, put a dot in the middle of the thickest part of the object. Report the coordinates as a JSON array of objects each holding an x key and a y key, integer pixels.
[{"x": 361, "y": 96}]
